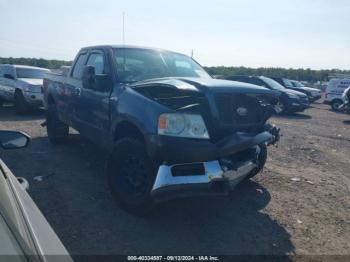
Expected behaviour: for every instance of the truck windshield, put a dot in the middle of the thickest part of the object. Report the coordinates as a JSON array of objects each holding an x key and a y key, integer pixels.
[
  {"x": 142, "y": 64},
  {"x": 30, "y": 73}
]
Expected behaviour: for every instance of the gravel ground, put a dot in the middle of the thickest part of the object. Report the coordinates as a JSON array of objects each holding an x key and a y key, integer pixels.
[{"x": 306, "y": 217}]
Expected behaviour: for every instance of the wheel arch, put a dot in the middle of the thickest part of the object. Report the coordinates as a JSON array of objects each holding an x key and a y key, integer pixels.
[{"x": 127, "y": 129}]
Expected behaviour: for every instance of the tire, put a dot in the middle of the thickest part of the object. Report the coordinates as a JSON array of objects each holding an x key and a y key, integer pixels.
[
  {"x": 57, "y": 131},
  {"x": 280, "y": 108},
  {"x": 261, "y": 162},
  {"x": 21, "y": 105},
  {"x": 336, "y": 104},
  {"x": 131, "y": 174}
]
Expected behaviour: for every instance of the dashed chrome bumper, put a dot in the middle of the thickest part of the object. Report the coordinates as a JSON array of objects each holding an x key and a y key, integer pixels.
[{"x": 206, "y": 178}]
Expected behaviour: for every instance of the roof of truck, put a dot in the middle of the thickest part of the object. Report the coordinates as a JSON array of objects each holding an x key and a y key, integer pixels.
[{"x": 127, "y": 46}]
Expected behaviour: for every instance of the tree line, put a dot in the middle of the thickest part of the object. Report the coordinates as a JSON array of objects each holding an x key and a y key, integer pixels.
[
  {"x": 298, "y": 74},
  {"x": 39, "y": 62},
  {"x": 290, "y": 73}
]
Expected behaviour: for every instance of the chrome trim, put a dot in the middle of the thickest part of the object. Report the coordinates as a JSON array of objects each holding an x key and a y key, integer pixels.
[{"x": 213, "y": 172}]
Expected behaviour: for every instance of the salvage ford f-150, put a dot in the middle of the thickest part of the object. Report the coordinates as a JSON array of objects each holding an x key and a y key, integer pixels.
[{"x": 170, "y": 128}]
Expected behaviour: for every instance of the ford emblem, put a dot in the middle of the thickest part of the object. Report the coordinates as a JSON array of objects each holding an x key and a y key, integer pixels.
[{"x": 242, "y": 111}]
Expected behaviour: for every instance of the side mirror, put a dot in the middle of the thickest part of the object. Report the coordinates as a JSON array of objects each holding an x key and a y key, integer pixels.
[
  {"x": 13, "y": 139},
  {"x": 9, "y": 76},
  {"x": 88, "y": 77},
  {"x": 103, "y": 83}
]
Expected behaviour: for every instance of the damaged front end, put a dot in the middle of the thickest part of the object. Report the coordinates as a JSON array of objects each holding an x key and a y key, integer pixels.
[{"x": 236, "y": 121}]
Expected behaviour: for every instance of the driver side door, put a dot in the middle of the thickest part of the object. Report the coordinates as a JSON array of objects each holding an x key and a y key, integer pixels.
[{"x": 92, "y": 106}]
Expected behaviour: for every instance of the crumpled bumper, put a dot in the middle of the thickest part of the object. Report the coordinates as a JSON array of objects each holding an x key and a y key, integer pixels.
[
  {"x": 214, "y": 180},
  {"x": 230, "y": 161}
]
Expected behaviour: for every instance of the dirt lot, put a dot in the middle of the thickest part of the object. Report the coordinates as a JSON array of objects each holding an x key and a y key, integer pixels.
[{"x": 310, "y": 216}]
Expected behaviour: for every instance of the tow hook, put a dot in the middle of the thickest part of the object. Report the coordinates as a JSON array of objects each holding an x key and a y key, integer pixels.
[
  {"x": 43, "y": 124},
  {"x": 275, "y": 132}
]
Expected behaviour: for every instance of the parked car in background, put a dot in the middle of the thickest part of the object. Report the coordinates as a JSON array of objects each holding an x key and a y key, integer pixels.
[
  {"x": 25, "y": 235},
  {"x": 289, "y": 100},
  {"x": 312, "y": 93},
  {"x": 334, "y": 92},
  {"x": 171, "y": 129},
  {"x": 22, "y": 85},
  {"x": 345, "y": 107}
]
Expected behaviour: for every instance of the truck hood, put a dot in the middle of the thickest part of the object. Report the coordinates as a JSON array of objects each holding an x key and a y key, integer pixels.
[
  {"x": 32, "y": 81},
  {"x": 184, "y": 92},
  {"x": 205, "y": 85}
]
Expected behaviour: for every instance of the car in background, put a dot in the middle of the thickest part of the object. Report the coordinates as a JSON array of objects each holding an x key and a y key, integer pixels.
[
  {"x": 25, "y": 235},
  {"x": 290, "y": 101},
  {"x": 312, "y": 93},
  {"x": 22, "y": 85},
  {"x": 334, "y": 92},
  {"x": 345, "y": 107}
]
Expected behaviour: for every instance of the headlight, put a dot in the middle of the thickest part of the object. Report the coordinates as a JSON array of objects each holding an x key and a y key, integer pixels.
[{"x": 182, "y": 125}]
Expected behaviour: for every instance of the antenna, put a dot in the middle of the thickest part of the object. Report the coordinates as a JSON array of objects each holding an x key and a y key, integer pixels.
[
  {"x": 123, "y": 28},
  {"x": 192, "y": 53}
]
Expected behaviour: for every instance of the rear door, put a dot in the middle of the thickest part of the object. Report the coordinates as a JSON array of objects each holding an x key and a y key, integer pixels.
[{"x": 92, "y": 107}]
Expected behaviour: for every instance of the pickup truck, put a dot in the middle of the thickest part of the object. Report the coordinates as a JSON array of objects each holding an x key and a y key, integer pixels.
[
  {"x": 171, "y": 130},
  {"x": 22, "y": 85}
]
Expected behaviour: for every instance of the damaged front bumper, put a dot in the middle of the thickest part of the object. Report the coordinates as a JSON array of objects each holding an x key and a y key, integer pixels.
[
  {"x": 212, "y": 180},
  {"x": 235, "y": 160}
]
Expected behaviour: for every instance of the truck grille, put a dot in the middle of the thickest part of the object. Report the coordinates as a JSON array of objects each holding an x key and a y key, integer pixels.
[{"x": 240, "y": 111}]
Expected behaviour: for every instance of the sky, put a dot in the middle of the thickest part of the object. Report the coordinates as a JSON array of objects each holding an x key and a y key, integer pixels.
[{"x": 253, "y": 33}]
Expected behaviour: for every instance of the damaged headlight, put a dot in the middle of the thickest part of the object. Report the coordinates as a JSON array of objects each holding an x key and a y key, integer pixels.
[{"x": 182, "y": 125}]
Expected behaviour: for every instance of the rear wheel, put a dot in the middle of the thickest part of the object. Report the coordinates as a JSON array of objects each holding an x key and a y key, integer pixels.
[
  {"x": 261, "y": 161},
  {"x": 21, "y": 105},
  {"x": 336, "y": 104},
  {"x": 131, "y": 175},
  {"x": 57, "y": 131}
]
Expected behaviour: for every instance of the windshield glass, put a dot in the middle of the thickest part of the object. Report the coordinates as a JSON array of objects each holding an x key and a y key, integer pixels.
[
  {"x": 30, "y": 73},
  {"x": 142, "y": 64},
  {"x": 297, "y": 84},
  {"x": 272, "y": 83},
  {"x": 287, "y": 83}
]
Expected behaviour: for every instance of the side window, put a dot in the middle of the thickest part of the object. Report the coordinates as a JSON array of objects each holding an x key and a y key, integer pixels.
[
  {"x": 96, "y": 60},
  {"x": 78, "y": 67},
  {"x": 1, "y": 71}
]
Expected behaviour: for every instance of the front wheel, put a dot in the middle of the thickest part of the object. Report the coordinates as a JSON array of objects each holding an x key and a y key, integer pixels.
[
  {"x": 262, "y": 156},
  {"x": 131, "y": 175},
  {"x": 57, "y": 131},
  {"x": 336, "y": 104}
]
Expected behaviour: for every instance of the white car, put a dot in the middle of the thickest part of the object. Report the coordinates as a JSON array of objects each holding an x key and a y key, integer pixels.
[
  {"x": 25, "y": 234},
  {"x": 22, "y": 85},
  {"x": 334, "y": 92}
]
